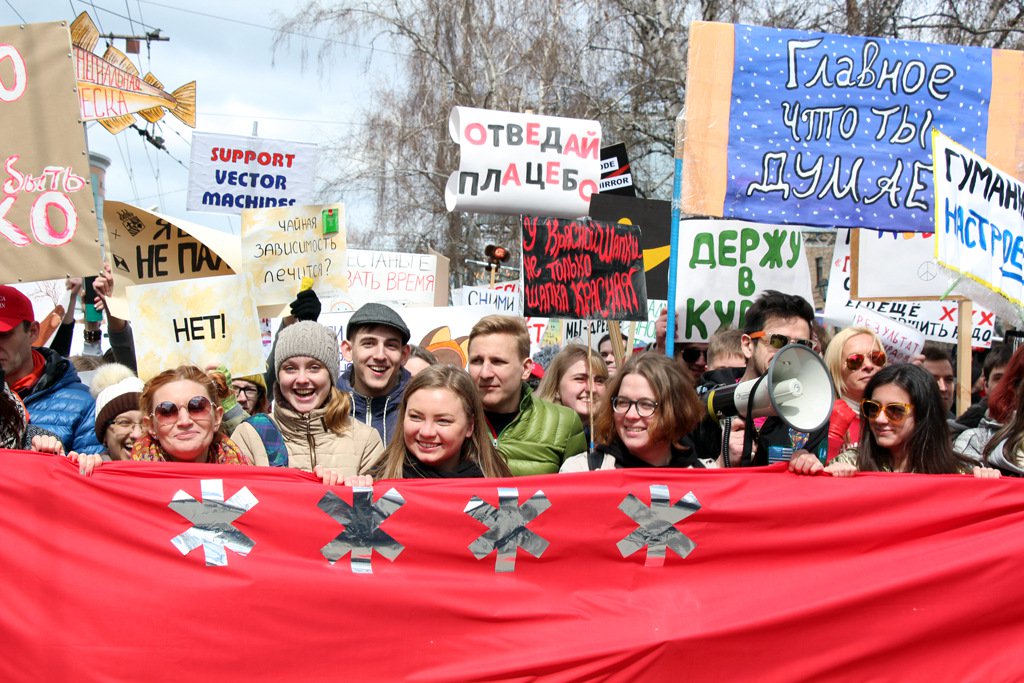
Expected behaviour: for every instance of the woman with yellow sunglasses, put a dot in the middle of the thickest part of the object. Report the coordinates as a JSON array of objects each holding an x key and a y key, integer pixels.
[{"x": 903, "y": 429}]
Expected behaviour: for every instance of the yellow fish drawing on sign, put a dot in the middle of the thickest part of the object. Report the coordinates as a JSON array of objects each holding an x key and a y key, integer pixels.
[{"x": 110, "y": 90}]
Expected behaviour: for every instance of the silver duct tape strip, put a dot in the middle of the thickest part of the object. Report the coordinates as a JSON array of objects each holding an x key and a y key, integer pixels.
[
  {"x": 657, "y": 523},
  {"x": 507, "y": 527},
  {"x": 213, "y": 522},
  {"x": 362, "y": 534}
]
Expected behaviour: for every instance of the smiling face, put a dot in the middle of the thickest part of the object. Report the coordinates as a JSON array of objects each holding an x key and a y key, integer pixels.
[
  {"x": 890, "y": 434},
  {"x": 498, "y": 371},
  {"x": 856, "y": 380},
  {"x": 573, "y": 392},
  {"x": 305, "y": 383},
  {"x": 635, "y": 431},
  {"x": 435, "y": 427},
  {"x": 377, "y": 354},
  {"x": 185, "y": 435},
  {"x": 122, "y": 433}
]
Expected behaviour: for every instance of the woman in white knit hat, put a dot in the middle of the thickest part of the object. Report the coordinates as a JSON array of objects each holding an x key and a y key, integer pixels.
[
  {"x": 118, "y": 418},
  {"x": 310, "y": 427}
]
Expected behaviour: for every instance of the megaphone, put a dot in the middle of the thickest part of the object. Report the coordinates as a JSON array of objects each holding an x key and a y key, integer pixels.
[{"x": 797, "y": 388}]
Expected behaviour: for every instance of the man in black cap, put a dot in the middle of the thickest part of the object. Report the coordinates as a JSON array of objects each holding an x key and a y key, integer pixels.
[{"x": 377, "y": 346}]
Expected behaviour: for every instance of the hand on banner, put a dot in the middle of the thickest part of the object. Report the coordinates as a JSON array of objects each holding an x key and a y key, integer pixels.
[
  {"x": 87, "y": 463},
  {"x": 985, "y": 473},
  {"x": 46, "y": 443},
  {"x": 332, "y": 476},
  {"x": 735, "y": 437},
  {"x": 306, "y": 306},
  {"x": 804, "y": 462}
]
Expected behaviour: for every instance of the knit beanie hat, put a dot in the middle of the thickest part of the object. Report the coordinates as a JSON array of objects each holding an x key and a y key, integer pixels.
[
  {"x": 116, "y": 399},
  {"x": 307, "y": 338},
  {"x": 257, "y": 380}
]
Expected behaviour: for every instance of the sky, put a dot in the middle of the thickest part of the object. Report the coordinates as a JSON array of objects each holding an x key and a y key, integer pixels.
[{"x": 227, "y": 48}]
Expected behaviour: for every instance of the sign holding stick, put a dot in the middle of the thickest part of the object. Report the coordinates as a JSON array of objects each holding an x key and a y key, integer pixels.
[
  {"x": 582, "y": 269},
  {"x": 197, "y": 322}
]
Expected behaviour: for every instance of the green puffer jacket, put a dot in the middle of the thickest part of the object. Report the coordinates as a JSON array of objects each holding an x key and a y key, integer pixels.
[{"x": 541, "y": 438}]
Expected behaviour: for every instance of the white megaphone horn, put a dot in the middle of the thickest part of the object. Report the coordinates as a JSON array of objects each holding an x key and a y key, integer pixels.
[{"x": 797, "y": 387}]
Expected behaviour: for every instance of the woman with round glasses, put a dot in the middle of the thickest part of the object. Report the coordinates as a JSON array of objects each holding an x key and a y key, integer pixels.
[
  {"x": 649, "y": 408},
  {"x": 182, "y": 421},
  {"x": 853, "y": 356},
  {"x": 903, "y": 428}
]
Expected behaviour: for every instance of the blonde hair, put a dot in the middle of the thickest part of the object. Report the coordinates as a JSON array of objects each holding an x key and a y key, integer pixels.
[
  {"x": 559, "y": 366},
  {"x": 835, "y": 354},
  {"x": 503, "y": 324},
  {"x": 477, "y": 448},
  {"x": 338, "y": 408}
]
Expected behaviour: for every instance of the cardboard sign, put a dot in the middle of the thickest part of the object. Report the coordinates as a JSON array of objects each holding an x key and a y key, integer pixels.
[
  {"x": 145, "y": 247},
  {"x": 389, "y": 277},
  {"x": 522, "y": 163},
  {"x": 918, "y": 277},
  {"x": 583, "y": 269},
  {"x": 979, "y": 219},
  {"x": 197, "y": 322},
  {"x": 725, "y": 265},
  {"x": 47, "y": 212},
  {"x": 654, "y": 218},
  {"x": 936, "y": 320},
  {"x": 284, "y": 245},
  {"x": 228, "y": 173},
  {"x": 830, "y": 130}
]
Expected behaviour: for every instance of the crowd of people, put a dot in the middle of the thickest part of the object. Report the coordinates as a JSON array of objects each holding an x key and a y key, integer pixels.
[{"x": 393, "y": 411}]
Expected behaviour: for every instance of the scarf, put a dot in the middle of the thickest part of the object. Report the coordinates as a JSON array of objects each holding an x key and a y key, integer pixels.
[
  {"x": 29, "y": 380},
  {"x": 413, "y": 469},
  {"x": 223, "y": 451}
]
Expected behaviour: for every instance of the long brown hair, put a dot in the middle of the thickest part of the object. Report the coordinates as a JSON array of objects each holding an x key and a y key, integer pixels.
[
  {"x": 559, "y": 366},
  {"x": 477, "y": 448},
  {"x": 679, "y": 410}
]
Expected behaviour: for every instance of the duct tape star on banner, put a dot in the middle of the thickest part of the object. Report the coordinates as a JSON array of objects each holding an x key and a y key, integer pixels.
[
  {"x": 362, "y": 534},
  {"x": 212, "y": 521},
  {"x": 657, "y": 525},
  {"x": 507, "y": 524}
]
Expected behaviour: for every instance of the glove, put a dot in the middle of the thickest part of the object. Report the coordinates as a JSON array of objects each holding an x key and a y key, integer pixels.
[{"x": 306, "y": 306}]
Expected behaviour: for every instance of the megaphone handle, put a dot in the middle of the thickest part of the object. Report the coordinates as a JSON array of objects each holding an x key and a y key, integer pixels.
[
  {"x": 748, "y": 427},
  {"x": 726, "y": 425}
]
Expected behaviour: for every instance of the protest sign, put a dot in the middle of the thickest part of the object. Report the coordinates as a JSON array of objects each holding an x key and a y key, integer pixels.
[
  {"x": 833, "y": 130},
  {"x": 146, "y": 247},
  {"x": 389, "y": 277},
  {"x": 979, "y": 219},
  {"x": 936, "y": 320},
  {"x": 872, "y": 275},
  {"x": 523, "y": 163},
  {"x": 724, "y": 265},
  {"x": 616, "y": 177},
  {"x": 583, "y": 269},
  {"x": 654, "y": 218},
  {"x": 643, "y": 331},
  {"x": 47, "y": 211},
  {"x": 210, "y": 320},
  {"x": 286, "y": 244},
  {"x": 505, "y": 297},
  {"x": 228, "y": 173}
]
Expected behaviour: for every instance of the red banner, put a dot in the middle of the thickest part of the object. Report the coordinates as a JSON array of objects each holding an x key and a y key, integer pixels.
[{"x": 163, "y": 572}]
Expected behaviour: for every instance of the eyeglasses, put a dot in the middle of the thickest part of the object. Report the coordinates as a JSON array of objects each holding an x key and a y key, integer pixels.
[
  {"x": 777, "y": 341},
  {"x": 894, "y": 412},
  {"x": 644, "y": 406},
  {"x": 198, "y": 407},
  {"x": 855, "y": 360},
  {"x": 249, "y": 392},
  {"x": 125, "y": 423},
  {"x": 690, "y": 355}
]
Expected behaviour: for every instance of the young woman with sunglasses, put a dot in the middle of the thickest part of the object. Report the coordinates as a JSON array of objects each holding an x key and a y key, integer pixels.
[
  {"x": 853, "y": 356},
  {"x": 649, "y": 408},
  {"x": 181, "y": 420},
  {"x": 903, "y": 429}
]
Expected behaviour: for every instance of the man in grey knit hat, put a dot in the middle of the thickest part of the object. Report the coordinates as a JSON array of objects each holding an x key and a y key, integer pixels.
[{"x": 377, "y": 346}]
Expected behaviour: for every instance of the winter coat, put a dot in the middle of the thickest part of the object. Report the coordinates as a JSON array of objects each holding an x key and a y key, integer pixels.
[
  {"x": 381, "y": 412},
  {"x": 60, "y": 403},
  {"x": 541, "y": 437},
  {"x": 309, "y": 443}
]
